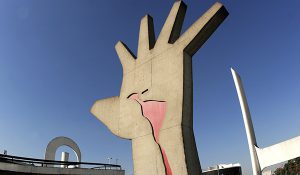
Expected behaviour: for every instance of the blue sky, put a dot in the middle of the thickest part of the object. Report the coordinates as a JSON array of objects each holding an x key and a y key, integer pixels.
[{"x": 57, "y": 57}]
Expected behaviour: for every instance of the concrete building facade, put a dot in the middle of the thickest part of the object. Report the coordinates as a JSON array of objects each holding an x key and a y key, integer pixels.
[
  {"x": 224, "y": 169},
  {"x": 14, "y": 165}
]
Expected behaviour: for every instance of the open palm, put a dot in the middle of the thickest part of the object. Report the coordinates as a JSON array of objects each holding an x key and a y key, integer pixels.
[{"x": 161, "y": 72}]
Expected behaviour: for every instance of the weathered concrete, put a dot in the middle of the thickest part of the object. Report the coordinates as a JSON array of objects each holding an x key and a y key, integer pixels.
[
  {"x": 58, "y": 142},
  {"x": 161, "y": 72},
  {"x": 263, "y": 157}
]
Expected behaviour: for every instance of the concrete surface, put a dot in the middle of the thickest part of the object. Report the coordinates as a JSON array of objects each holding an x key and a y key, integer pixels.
[
  {"x": 263, "y": 157},
  {"x": 58, "y": 142},
  {"x": 65, "y": 158},
  {"x": 161, "y": 72}
]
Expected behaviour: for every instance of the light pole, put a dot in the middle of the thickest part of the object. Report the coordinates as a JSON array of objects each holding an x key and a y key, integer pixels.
[{"x": 109, "y": 159}]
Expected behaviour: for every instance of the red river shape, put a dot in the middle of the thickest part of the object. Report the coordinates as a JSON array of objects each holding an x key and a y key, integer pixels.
[{"x": 155, "y": 112}]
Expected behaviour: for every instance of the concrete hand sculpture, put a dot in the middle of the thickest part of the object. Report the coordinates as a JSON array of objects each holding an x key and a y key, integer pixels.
[{"x": 155, "y": 105}]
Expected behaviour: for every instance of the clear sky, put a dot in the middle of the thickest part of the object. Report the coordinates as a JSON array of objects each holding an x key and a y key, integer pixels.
[{"x": 57, "y": 57}]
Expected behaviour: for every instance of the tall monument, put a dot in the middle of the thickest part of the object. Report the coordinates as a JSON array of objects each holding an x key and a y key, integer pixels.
[
  {"x": 268, "y": 156},
  {"x": 155, "y": 105}
]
